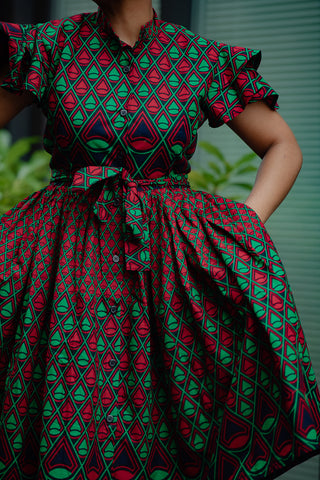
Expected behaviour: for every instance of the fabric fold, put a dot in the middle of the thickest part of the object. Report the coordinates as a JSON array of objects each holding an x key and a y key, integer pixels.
[
  {"x": 136, "y": 229},
  {"x": 29, "y": 60},
  {"x": 235, "y": 83}
]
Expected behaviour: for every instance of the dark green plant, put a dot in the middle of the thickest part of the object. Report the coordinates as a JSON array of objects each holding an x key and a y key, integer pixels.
[
  {"x": 18, "y": 178},
  {"x": 221, "y": 175}
]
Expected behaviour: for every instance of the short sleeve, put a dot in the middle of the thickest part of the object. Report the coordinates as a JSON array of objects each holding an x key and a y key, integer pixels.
[
  {"x": 29, "y": 59},
  {"x": 235, "y": 83}
]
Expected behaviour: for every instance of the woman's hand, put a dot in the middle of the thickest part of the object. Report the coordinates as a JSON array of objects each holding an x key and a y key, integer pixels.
[{"x": 269, "y": 136}]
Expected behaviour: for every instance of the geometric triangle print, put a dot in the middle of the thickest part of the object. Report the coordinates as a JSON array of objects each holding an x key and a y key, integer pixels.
[
  {"x": 63, "y": 461},
  {"x": 190, "y": 461},
  {"x": 128, "y": 469}
]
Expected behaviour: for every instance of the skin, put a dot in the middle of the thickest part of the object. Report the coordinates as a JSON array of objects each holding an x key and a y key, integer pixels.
[
  {"x": 261, "y": 128},
  {"x": 127, "y": 16},
  {"x": 270, "y": 137},
  {"x": 12, "y": 104}
]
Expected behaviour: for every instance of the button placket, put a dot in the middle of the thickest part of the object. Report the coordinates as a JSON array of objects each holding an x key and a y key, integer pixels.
[
  {"x": 125, "y": 58},
  {"x": 116, "y": 258},
  {"x": 110, "y": 373},
  {"x": 110, "y": 418},
  {"x": 109, "y": 311},
  {"x": 117, "y": 194},
  {"x": 112, "y": 363}
]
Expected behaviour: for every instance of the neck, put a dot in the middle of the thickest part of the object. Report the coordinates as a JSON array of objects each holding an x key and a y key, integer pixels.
[{"x": 126, "y": 17}]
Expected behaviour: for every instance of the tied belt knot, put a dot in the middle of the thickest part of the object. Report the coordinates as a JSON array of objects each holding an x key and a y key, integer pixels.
[{"x": 136, "y": 227}]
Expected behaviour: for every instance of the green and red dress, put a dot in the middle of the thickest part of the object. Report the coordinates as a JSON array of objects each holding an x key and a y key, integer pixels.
[{"x": 147, "y": 330}]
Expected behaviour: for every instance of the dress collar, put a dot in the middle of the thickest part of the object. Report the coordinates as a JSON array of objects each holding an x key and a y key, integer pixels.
[{"x": 148, "y": 30}]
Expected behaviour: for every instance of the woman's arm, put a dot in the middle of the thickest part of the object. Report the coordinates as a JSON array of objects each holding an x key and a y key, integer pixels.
[
  {"x": 269, "y": 136},
  {"x": 10, "y": 103}
]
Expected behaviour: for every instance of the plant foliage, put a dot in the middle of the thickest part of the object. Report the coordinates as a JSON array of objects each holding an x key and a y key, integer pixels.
[
  {"x": 19, "y": 178},
  {"x": 221, "y": 175}
]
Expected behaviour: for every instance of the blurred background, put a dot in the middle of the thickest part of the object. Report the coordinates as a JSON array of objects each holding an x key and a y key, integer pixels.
[{"x": 288, "y": 33}]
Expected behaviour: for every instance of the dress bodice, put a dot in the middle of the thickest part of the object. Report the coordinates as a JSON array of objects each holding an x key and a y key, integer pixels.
[{"x": 140, "y": 107}]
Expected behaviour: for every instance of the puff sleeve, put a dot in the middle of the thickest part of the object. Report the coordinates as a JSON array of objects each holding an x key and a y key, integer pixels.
[
  {"x": 29, "y": 56},
  {"x": 235, "y": 83}
]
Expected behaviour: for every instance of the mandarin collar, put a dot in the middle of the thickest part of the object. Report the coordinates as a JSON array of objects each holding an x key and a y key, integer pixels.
[{"x": 147, "y": 32}]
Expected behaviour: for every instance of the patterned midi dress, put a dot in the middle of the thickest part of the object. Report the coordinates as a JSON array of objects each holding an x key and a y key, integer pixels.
[{"x": 147, "y": 330}]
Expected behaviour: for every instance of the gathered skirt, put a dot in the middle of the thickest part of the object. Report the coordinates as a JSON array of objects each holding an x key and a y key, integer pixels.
[{"x": 147, "y": 332}]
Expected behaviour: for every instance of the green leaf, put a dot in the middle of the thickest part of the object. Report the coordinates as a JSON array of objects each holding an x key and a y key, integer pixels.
[
  {"x": 236, "y": 198},
  {"x": 19, "y": 179},
  {"x": 197, "y": 179},
  {"x": 208, "y": 177},
  {"x": 229, "y": 168},
  {"x": 246, "y": 186},
  {"x": 223, "y": 179},
  {"x": 248, "y": 169},
  {"x": 247, "y": 158},
  {"x": 18, "y": 150},
  {"x": 5, "y": 141},
  {"x": 215, "y": 168},
  {"x": 208, "y": 147}
]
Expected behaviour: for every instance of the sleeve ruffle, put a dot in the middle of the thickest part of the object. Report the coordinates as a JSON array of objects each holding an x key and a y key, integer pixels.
[
  {"x": 235, "y": 83},
  {"x": 29, "y": 60}
]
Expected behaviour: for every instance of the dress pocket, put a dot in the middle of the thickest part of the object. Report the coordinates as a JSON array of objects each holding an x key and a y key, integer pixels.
[{"x": 254, "y": 214}]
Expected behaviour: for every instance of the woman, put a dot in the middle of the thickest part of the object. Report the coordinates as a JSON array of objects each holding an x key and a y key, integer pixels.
[{"x": 147, "y": 330}]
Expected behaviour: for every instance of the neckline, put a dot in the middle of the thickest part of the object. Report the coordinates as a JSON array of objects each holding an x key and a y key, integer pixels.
[{"x": 147, "y": 31}]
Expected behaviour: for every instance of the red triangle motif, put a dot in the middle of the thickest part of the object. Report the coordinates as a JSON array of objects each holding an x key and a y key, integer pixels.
[
  {"x": 73, "y": 72},
  {"x": 184, "y": 66},
  {"x": 153, "y": 105},
  {"x": 164, "y": 63},
  {"x": 86, "y": 411},
  {"x": 154, "y": 48},
  {"x": 81, "y": 88},
  {"x": 184, "y": 93},
  {"x": 84, "y": 58},
  {"x": 154, "y": 76},
  {"x": 102, "y": 88},
  {"x": 164, "y": 92},
  {"x": 70, "y": 102}
]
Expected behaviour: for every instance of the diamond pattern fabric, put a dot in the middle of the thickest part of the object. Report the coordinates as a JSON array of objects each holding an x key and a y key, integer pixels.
[
  {"x": 108, "y": 104},
  {"x": 147, "y": 331}
]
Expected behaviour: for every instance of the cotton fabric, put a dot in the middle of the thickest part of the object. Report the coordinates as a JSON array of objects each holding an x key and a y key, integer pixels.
[{"x": 148, "y": 331}]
